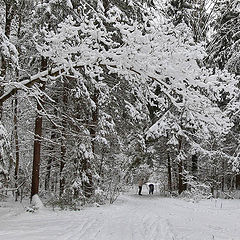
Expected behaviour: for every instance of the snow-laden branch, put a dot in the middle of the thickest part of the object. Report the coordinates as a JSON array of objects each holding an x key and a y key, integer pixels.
[
  {"x": 165, "y": 60},
  {"x": 27, "y": 83}
]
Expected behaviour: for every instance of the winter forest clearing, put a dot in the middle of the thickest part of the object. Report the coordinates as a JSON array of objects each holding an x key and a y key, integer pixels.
[
  {"x": 97, "y": 96},
  {"x": 131, "y": 217}
]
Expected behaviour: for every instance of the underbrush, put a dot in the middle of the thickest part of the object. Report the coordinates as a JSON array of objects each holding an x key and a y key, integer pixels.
[{"x": 72, "y": 201}]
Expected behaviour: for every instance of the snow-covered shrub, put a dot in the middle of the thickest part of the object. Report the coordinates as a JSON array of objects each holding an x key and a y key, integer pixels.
[
  {"x": 113, "y": 191},
  {"x": 110, "y": 186},
  {"x": 99, "y": 196},
  {"x": 65, "y": 202},
  {"x": 196, "y": 190}
]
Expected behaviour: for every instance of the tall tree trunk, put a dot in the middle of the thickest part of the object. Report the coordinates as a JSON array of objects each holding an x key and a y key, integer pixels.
[
  {"x": 169, "y": 167},
  {"x": 62, "y": 164},
  {"x": 37, "y": 138},
  {"x": 93, "y": 124},
  {"x": 36, "y": 151},
  {"x": 180, "y": 177},
  {"x": 194, "y": 165},
  {"x": 180, "y": 167},
  {"x": 9, "y": 13},
  {"x": 16, "y": 116},
  {"x": 48, "y": 173},
  {"x": 50, "y": 160},
  {"x": 169, "y": 172},
  {"x": 63, "y": 139},
  {"x": 223, "y": 177},
  {"x": 1, "y": 93},
  {"x": 16, "y": 145},
  {"x": 88, "y": 185},
  {"x": 238, "y": 182},
  {"x": 3, "y": 68}
]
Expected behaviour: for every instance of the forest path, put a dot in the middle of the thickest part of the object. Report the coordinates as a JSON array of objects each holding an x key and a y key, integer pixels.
[{"x": 131, "y": 217}]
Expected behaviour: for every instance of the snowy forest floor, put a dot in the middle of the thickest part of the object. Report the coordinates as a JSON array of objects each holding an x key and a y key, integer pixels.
[{"x": 131, "y": 217}]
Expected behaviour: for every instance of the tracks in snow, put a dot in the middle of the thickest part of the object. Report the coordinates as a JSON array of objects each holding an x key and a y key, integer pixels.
[
  {"x": 131, "y": 218},
  {"x": 134, "y": 219}
]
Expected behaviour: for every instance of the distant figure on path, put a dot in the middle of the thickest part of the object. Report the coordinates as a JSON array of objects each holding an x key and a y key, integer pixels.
[
  {"x": 140, "y": 184},
  {"x": 151, "y": 188}
]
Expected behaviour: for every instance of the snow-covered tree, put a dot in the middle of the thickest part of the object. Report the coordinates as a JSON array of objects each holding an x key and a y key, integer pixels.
[{"x": 115, "y": 86}]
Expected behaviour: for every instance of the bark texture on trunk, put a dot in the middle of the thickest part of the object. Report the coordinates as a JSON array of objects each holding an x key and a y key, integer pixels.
[
  {"x": 238, "y": 182},
  {"x": 15, "y": 118},
  {"x": 3, "y": 66},
  {"x": 169, "y": 173},
  {"x": 86, "y": 166},
  {"x": 180, "y": 167},
  {"x": 37, "y": 138},
  {"x": 62, "y": 164},
  {"x": 63, "y": 139},
  {"x": 50, "y": 160},
  {"x": 194, "y": 165},
  {"x": 36, "y": 152},
  {"x": 223, "y": 176}
]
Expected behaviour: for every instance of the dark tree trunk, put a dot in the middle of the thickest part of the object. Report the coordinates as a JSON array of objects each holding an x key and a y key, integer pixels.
[
  {"x": 238, "y": 182},
  {"x": 16, "y": 117},
  {"x": 222, "y": 183},
  {"x": 63, "y": 139},
  {"x": 36, "y": 151},
  {"x": 93, "y": 124},
  {"x": 16, "y": 145},
  {"x": 223, "y": 177},
  {"x": 1, "y": 93},
  {"x": 194, "y": 165},
  {"x": 88, "y": 186},
  {"x": 10, "y": 11},
  {"x": 169, "y": 173},
  {"x": 180, "y": 168},
  {"x": 3, "y": 67},
  {"x": 50, "y": 160},
  {"x": 180, "y": 177},
  {"x": 37, "y": 138},
  {"x": 62, "y": 164},
  {"x": 48, "y": 173}
]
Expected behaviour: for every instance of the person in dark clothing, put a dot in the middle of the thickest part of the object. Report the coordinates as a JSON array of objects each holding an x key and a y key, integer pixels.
[
  {"x": 151, "y": 188},
  {"x": 140, "y": 184}
]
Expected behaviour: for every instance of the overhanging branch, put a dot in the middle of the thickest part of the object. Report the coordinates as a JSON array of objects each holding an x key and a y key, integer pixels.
[
  {"x": 58, "y": 71},
  {"x": 37, "y": 78}
]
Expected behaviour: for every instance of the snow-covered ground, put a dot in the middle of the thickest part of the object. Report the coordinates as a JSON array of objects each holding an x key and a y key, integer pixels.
[{"x": 131, "y": 217}]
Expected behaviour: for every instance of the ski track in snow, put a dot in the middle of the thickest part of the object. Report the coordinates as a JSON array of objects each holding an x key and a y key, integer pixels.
[{"x": 132, "y": 217}]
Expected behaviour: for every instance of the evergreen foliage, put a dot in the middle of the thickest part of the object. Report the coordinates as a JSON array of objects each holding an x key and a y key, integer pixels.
[{"x": 111, "y": 91}]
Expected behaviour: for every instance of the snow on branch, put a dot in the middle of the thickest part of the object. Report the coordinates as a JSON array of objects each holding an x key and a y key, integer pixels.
[{"x": 37, "y": 78}]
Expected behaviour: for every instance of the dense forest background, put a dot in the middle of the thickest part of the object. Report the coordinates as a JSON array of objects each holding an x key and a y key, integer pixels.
[{"x": 95, "y": 94}]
